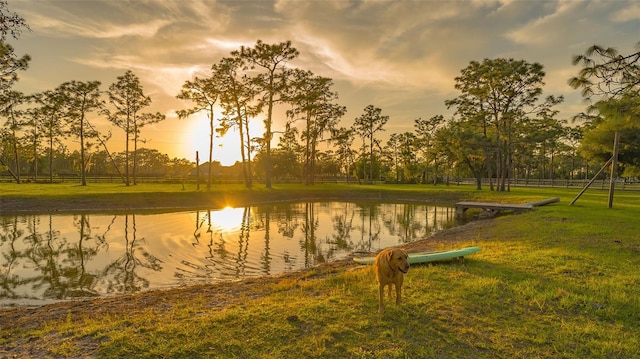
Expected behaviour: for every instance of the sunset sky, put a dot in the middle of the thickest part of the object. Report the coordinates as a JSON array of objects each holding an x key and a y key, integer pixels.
[{"x": 401, "y": 56}]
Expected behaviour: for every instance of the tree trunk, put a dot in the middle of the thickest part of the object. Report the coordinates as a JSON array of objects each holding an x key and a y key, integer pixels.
[
  {"x": 614, "y": 164},
  {"x": 16, "y": 174},
  {"x": 135, "y": 155},
  {"x": 435, "y": 171},
  {"x": 307, "y": 153},
  {"x": 371, "y": 154},
  {"x": 83, "y": 172},
  {"x": 126, "y": 152},
  {"x": 267, "y": 136},
  {"x": 245, "y": 174},
  {"x": 312, "y": 164},
  {"x": 51, "y": 159},
  {"x": 249, "y": 172},
  {"x": 211, "y": 134},
  {"x": 489, "y": 172},
  {"x": 35, "y": 156}
]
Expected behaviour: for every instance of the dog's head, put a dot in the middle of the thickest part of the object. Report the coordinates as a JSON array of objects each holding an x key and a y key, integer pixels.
[{"x": 398, "y": 260}]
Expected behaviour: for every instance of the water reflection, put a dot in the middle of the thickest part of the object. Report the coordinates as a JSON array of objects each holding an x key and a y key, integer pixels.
[{"x": 46, "y": 258}]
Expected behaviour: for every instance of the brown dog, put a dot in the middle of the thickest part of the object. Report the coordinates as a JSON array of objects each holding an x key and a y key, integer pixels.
[{"x": 390, "y": 267}]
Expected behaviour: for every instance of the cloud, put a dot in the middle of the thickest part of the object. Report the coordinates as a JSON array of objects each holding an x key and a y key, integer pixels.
[
  {"x": 401, "y": 56},
  {"x": 69, "y": 24},
  {"x": 544, "y": 27},
  {"x": 227, "y": 44},
  {"x": 380, "y": 43},
  {"x": 559, "y": 22},
  {"x": 158, "y": 77},
  {"x": 106, "y": 30},
  {"x": 627, "y": 13},
  {"x": 116, "y": 19}
]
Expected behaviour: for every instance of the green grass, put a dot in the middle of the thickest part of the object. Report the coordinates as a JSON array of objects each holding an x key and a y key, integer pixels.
[
  {"x": 73, "y": 190},
  {"x": 557, "y": 282},
  {"x": 107, "y": 196}
]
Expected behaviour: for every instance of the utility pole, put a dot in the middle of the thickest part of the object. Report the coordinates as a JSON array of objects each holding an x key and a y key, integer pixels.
[
  {"x": 614, "y": 164},
  {"x": 197, "y": 171}
]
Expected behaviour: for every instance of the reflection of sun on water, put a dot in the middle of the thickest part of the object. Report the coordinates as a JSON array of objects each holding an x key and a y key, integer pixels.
[{"x": 228, "y": 219}]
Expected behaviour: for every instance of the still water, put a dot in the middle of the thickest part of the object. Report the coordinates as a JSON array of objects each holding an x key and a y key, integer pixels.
[{"x": 46, "y": 258}]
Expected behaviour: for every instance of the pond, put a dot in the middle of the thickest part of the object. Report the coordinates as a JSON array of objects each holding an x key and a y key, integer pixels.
[{"x": 52, "y": 257}]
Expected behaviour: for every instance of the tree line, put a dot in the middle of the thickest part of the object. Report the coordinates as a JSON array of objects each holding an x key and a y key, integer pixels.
[{"x": 502, "y": 126}]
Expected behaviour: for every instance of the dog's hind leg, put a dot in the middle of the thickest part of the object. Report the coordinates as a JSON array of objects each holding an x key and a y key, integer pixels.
[{"x": 381, "y": 298}]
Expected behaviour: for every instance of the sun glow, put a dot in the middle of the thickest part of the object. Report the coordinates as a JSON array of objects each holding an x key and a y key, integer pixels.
[
  {"x": 228, "y": 219},
  {"x": 226, "y": 149}
]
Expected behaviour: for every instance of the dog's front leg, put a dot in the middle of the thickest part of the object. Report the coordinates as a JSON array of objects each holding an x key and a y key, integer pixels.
[
  {"x": 398, "y": 293},
  {"x": 380, "y": 298}
]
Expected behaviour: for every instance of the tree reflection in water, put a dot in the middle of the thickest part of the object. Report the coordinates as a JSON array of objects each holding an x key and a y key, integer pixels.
[{"x": 56, "y": 257}]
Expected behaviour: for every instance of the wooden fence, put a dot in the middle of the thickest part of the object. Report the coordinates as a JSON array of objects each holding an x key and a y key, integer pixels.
[{"x": 603, "y": 184}]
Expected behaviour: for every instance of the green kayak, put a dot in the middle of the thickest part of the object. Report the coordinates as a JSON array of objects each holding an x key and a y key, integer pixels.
[{"x": 424, "y": 257}]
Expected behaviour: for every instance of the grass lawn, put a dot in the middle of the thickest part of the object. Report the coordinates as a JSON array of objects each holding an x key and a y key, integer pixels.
[{"x": 557, "y": 282}]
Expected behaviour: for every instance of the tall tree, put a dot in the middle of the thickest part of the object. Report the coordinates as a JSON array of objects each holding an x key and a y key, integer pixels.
[
  {"x": 573, "y": 137},
  {"x": 606, "y": 73},
  {"x": 9, "y": 67},
  {"x": 446, "y": 160},
  {"x": 14, "y": 125},
  {"x": 236, "y": 95},
  {"x": 616, "y": 114},
  {"x": 312, "y": 99},
  {"x": 288, "y": 156},
  {"x": 127, "y": 97},
  {"x": 204, "y": 93},
  {"x": 141, "y": 121},
  {"x": 272, "y": 82},
  {"x": 538, "y": 142},
  {"x": 51, "y": 110},
  {"x": 461, "y": 141},
  {"x": 285, "y": 158},
  {"x": 498, "y": 93},
  {"x": 343, "y": 138},
  {"x": 615, "y": 79},
  {"x": 401, "y": 149},
  {"x": 407, "y": 146},
  {"x": 367, "y": 125},
  {"x": 80, "y": 99},
  {"x": 11, "y": 24},
  {"x": 393, "y": 151},
  {"x": 33, "y": 137},
  {"x": 425, "y": 133}
]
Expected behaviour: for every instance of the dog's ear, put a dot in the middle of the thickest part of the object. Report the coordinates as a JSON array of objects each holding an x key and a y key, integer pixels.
[{"x": 389, "y": 255}]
